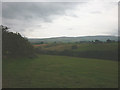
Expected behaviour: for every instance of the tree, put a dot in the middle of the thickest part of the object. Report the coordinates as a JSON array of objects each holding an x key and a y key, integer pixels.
[
  {"x": 14, "y": 45},
  {"x": 108, "y": 41},
  {"x": 41, "y": 42},
  {"x": 97, "y": 41}
]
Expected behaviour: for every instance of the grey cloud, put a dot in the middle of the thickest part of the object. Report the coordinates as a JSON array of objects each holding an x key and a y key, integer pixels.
[
  {"x": 31, "y": 10},
  {"x": 20, "y": 16}
]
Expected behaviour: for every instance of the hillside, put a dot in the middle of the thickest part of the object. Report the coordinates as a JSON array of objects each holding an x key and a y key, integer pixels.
[{"x": 72, "y": 39}]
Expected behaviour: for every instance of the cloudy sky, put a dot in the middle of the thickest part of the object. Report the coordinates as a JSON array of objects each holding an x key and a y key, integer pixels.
[{"x": 57, "y": 19}]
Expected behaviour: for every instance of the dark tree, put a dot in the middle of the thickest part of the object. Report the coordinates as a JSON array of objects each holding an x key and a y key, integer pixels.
[
  {"x": 42, "y": 42},
  {"x": 14, "y": 45},
  {"x": 108, "y": 41},
  {"x": 98, "y": 41}
]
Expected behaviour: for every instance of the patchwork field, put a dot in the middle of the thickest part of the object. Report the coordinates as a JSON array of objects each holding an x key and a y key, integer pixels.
[
  {"x": 50, "y": 71},
  {"x": 80, "y": 46},
  {"x": 85, "y": 50}
]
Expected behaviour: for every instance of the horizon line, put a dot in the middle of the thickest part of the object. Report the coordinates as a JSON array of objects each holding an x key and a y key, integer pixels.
[{"x": 70, "y": 36}]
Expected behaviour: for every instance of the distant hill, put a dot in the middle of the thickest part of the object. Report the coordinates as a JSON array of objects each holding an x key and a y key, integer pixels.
[{"x": 73, "y": 39}]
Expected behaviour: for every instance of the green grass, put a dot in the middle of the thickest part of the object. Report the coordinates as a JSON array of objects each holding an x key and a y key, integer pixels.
[
  {"x": 48, "y": 71},
  {"x": 86, "y": 50},
  {"x": 83, "y": 47}
]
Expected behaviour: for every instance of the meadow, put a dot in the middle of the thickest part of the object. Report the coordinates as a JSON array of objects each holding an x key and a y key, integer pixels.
[{"x": 52, "y": 71}]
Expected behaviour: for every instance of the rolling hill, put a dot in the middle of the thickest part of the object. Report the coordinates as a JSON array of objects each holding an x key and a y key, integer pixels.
[{"x": 72, "y": 39}]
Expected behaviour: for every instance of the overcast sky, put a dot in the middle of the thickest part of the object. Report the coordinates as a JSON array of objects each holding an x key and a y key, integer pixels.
[{"x": 50, "y": 19}]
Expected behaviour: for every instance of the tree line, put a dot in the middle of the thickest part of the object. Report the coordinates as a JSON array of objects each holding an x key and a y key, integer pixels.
[{"x": 95, "y": 41}]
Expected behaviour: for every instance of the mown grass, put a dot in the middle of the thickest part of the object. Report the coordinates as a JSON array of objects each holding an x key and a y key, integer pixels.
[{"x": 49, "y": 71}]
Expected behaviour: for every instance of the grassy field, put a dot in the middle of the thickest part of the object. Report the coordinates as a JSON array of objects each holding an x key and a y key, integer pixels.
[
  {"x": 85, "y": 50},
  {"x": 81, "y": 46},
  {"x": 49, "y": 71}
]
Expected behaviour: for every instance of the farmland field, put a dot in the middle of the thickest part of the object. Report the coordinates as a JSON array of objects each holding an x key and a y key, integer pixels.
[
  {"x": 51, "y": 71},
  {"x": 80, "y": 47},
  {"x": 85, "y": 50}
]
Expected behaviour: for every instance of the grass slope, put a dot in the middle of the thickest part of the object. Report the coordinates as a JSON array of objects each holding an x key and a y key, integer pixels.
[{"x": 48, "y": 71}]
